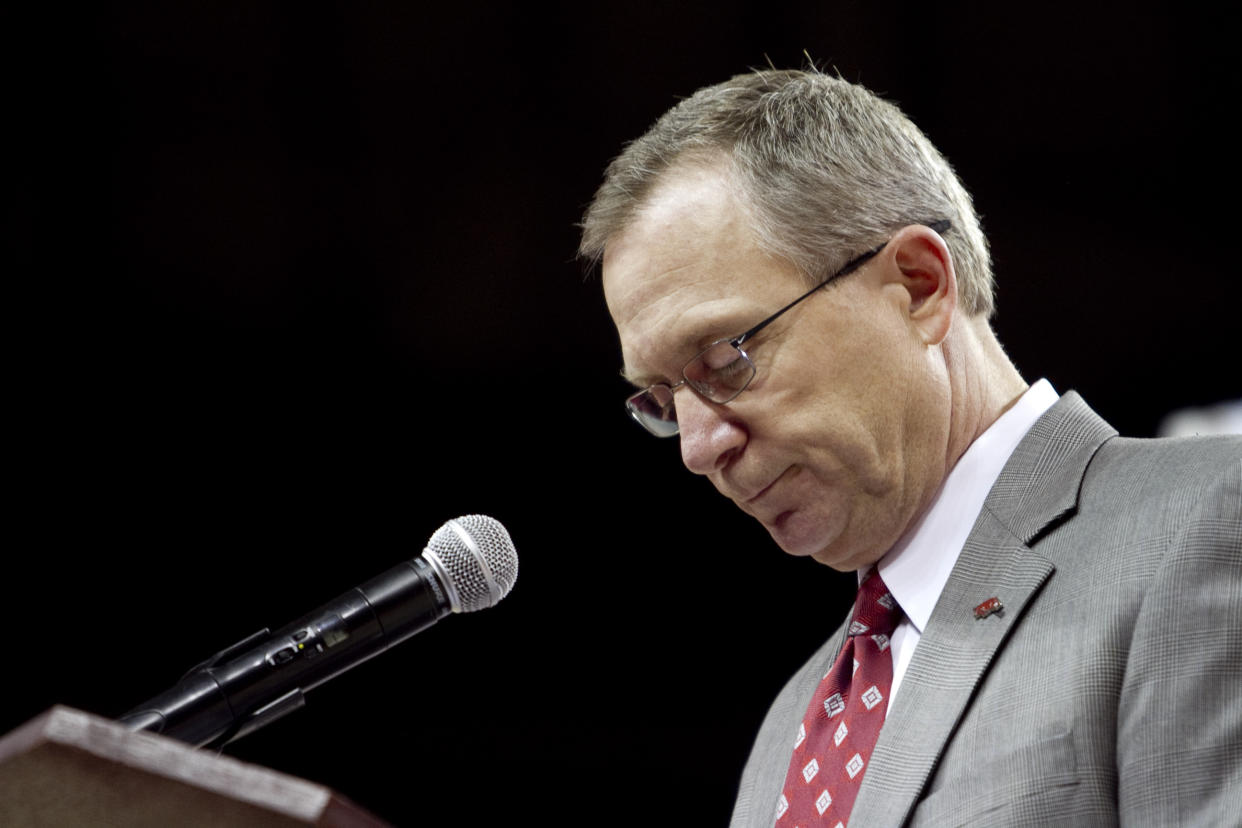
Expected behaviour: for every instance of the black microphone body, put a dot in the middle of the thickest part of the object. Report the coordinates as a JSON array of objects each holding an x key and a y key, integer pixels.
[{"x": 265, "y": 676}]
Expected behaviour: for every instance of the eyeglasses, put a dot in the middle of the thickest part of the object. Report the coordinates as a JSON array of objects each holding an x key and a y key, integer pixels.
[{"x": 722, "y": 370}]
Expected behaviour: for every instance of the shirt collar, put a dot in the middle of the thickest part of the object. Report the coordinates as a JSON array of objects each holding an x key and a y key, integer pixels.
[{"x": 917, "y": 567}]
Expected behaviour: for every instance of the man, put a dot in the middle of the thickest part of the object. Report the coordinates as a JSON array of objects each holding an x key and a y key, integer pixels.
[{"x": 802, "y": 293}]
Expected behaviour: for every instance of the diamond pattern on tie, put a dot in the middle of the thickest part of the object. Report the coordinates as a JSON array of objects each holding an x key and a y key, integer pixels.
[
  {"x": 871, "y": 697},
  {"x": 844, "y": 717}
]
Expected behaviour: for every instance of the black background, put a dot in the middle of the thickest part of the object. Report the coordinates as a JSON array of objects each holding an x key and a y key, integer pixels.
[{"x": 292, "y": 284}]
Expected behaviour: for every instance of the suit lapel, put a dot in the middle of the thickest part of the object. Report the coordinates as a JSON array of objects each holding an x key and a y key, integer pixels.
[{"x": 1038, "y": 488}]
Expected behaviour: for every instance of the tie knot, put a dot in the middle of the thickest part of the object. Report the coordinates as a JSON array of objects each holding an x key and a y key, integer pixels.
[{"x": 876, "y": 612}]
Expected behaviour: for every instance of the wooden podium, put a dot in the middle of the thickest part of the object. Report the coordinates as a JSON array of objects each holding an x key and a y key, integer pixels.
[{"x": 69, "y": 768}]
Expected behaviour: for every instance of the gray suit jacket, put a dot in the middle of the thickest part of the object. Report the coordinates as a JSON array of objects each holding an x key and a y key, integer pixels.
[{"x": 1108, "y": 689}]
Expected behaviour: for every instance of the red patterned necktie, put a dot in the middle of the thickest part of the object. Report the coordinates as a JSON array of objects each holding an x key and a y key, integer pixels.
[{"x": 838, "y": 732}]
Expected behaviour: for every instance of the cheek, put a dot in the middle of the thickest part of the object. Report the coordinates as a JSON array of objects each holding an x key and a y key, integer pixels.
[
  {"x": 837, "y": 398},
  {"x": 847, "y": 431},
  {"x": 854, "y": 361}
]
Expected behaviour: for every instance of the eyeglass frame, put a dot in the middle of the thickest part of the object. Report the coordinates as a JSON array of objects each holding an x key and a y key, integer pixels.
[{"x": 941, "y": 226}]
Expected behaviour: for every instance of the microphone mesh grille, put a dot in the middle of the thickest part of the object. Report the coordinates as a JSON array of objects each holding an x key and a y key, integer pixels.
[{"x": 481, "y": 580}]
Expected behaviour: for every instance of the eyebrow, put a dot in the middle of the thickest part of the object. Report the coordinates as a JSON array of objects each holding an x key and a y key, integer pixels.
[
  {"x": 706, "y": 331},
  {"x": 638, "y": 381}
]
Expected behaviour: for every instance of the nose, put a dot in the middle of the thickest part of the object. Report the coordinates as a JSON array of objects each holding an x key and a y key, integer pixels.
[{"x": 710, "y": 434}]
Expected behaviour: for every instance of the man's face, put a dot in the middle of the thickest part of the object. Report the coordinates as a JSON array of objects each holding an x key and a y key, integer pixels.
[{"x": 839, "y": 441}]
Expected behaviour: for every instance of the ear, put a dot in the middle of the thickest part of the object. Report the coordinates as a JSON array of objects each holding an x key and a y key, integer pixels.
[{"x": 928, "y": 279}]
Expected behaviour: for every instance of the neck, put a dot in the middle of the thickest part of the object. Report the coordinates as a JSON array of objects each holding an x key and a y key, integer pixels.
[{"x": 984, "y": 383}]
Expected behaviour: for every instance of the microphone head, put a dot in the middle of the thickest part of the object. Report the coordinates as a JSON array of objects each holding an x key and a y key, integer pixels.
[{"x": 476, "y": 561}]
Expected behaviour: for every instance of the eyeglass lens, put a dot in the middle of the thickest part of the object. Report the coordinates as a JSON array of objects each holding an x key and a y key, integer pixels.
[
  {"x": 653, "y": 408},
  {"x": 719, "y": 373}
]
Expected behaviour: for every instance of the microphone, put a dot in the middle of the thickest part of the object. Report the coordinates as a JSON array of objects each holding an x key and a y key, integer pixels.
[{"x": 469, "y": 564}]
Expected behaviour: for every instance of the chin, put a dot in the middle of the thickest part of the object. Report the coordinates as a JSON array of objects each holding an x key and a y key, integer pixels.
[
  {"x": 840, "y": 561},
  {"x": 806, "y": 536}
]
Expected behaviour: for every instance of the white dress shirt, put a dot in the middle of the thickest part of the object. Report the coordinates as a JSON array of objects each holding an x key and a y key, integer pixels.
[{"x": 918, "y": 566}]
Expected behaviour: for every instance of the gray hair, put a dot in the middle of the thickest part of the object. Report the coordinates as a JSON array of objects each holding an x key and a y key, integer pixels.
[{"x": 826, "y": 170}]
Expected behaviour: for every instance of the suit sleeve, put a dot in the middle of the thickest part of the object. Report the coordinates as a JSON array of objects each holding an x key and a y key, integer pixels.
[{"x": 1179, "y": 737}]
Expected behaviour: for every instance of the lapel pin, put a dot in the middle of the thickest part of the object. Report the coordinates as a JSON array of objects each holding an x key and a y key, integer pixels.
[{"x": 988, "y": 607}]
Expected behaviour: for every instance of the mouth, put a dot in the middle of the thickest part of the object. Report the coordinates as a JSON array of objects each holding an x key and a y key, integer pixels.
[
  {"x": 753, "y": 499},
  {"x": 748, "y": 503}
]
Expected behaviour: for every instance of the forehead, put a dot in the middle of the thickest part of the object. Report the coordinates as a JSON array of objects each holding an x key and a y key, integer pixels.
[{"x": 687, "y": 270}]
